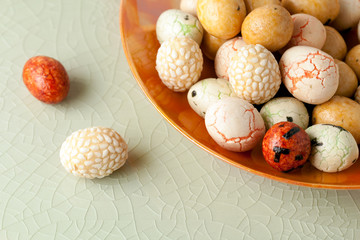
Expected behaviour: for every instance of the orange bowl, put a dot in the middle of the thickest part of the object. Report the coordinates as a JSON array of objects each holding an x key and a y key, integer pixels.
[{"x": 137, "y": 27}]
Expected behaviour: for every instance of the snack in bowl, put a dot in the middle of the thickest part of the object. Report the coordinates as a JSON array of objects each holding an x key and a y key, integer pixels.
[
  {"x": 207, "y": 92},
  {"x": 46, "y": 79},
  {"x": 348, "y": 16},
  {"x": 324, "y": 10},
  {"x": 357, "y": 95},
  {"x": 282, "y": 109},
  {"x": 224, "y": 55},
  {"x": 308, "y": 31},
  {"x": 339, "y": 111},
  {"x": 189, "y": 6},
  {"x": 358, "y": 31},
  {"x": 177, "y": 23},
  {"x": 221, "y": 18},
  {"x": 286, "y": 146},
  {"x": 254, "y": 74},
  {"x": 179, "y": 62},
  {"x": 252, "y": 4},
  {"x": 270, "y": 26},
  {"x": 234, "y": 124},
  {"x": 335, "y": 44},
  {"x": 309, "y": 74},
  {"x": 333, "y": 149},
  {"x": 348, "y": 81},
  {"x": 210, "y": 45},
  {"x": 353, "y": 60}
]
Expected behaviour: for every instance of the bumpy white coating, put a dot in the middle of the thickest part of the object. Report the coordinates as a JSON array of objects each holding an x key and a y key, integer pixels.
[
  {"x": 177, "y": 23},
  {"x": 357, "y": 95},
  {"x": 333, "y": 149},
  {"x": 179, "y": 63},
  {"x": 207, "y": 92},
  {"x": 254, "y": 74},
  {"x": 308, "y": 31},
  {"x": 224, "y": 55},
  {"x": 310, "y": 75},
  {"x": 285, "y": 109},
  {"x": 348, "y": 16},
  {"x": 234, "y": 124},
  {"x": 93, "y": 152}
]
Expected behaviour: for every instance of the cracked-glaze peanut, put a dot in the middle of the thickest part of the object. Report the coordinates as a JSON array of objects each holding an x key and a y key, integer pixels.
[
  {"x": 46, "y": 79},
  {"x": 309, "y": 74}
]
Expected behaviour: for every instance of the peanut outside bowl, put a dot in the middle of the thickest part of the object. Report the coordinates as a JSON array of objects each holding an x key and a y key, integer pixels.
[{"x": 137, "y": 28}]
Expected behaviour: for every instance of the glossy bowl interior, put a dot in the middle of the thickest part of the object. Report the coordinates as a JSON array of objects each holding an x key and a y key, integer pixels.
[{"x": 137, "y": 27}]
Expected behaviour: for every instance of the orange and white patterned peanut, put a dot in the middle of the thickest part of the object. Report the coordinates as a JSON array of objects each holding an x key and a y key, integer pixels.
[
  {"x": 254, "y": 74},
  {"x": 179, "y": 62},
  {"x": 234, "y": 124},
  {"x": 225, "y": 54},
  {"x": 309, "y": 74},
  {"x": 308, "y": 31},
  {"x": 93, "y": 152}
]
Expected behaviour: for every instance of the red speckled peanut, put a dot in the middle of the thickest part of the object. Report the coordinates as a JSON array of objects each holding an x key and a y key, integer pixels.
[{"x": 46, "y": 79}]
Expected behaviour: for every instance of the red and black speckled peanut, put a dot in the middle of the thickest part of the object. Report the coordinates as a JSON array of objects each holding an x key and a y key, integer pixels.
[
  {"x": 46, "y": 79},
  {"x": 286, "y": 146}
]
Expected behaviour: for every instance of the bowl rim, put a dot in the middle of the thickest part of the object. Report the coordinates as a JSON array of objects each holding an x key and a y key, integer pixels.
[{"x": 144, "y": 89}]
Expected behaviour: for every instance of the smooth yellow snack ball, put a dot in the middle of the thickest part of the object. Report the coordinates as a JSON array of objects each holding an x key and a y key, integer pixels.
[
  {"x": 348, "y": 82},
  {"x": 339, "y": 111},
  {"x": 221, "y": 18},
  {"x": 324, "y": 10},
  {"x": 210, "y": 45},
  {"x": 335, "y": 44},
  {"x": 357, "y": 95},
  {"x": 353, "y": 60},
  {"x": 252, "y": 4},
  {"x": 270, "y": 26}
]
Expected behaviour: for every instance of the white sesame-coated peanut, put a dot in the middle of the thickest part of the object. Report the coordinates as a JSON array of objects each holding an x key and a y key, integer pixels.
[
  {"x": 179, "y": 73},
  {"x": 259, "y": 72},
  {"x": 93, "y": 152},
  {"x": 224, "y": 55}
]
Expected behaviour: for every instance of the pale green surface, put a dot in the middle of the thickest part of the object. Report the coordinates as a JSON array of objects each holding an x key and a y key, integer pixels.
[{"x": 168, "y": 189}]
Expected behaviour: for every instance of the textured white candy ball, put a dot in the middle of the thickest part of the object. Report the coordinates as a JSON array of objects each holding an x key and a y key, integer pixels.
[
  {"x": 224, "y": 55},
  {"x": 93, "y": 152},
  {"x": 177, "y": 23},
  {"x": 308, "y": 31},
  {"x": 179, "y": 62},
  {"x": 357, "y": 95},
  {"x": 254, "y": 74},
  {"x": 207, "y": 92},
  {"x": 309, "y": 74},
  {"x": 348, "y": 16},
  {"x": 333, "y": 149},
  {"x": 285, "y": 109},
  {"x": 234, "y": 124}
]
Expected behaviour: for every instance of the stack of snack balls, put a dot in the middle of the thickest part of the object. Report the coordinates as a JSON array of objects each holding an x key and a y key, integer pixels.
[{"x": 278, "y": 64}]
